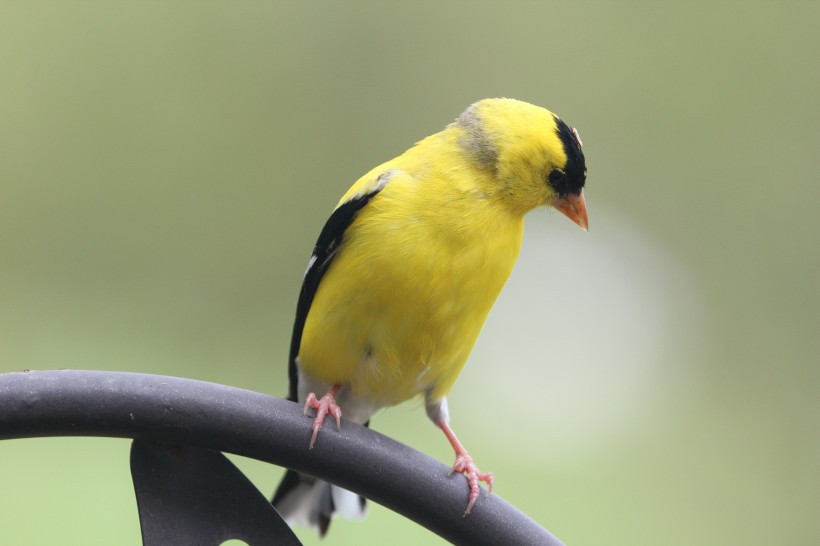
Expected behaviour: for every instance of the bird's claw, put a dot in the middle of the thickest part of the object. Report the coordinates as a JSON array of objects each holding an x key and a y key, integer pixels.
[
  {"x": 323, "y": 406},
  {"x": 464, "y": 465}
]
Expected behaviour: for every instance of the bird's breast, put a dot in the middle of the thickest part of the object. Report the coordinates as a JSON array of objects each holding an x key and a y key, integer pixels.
[{"x": 401, "y": 306}]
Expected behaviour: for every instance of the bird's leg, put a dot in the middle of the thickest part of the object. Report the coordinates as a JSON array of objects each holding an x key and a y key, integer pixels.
[
  {"x": 323, "y": 406},
  {"x": 464, "y": 465}
]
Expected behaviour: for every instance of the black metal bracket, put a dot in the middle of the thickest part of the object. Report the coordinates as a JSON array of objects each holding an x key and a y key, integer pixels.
[
  {"x": 189, "y": 496},
  {"x": 205, "y": 418}
]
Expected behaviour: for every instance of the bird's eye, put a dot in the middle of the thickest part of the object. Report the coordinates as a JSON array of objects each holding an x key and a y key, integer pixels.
[{"x": 556, "y": 178}]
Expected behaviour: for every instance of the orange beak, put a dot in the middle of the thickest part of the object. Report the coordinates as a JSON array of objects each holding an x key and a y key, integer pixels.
[{"x": 573, "y": 207}]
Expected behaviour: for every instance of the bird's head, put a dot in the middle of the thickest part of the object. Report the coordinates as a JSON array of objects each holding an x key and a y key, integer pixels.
[{"x": 535, "y": 157}]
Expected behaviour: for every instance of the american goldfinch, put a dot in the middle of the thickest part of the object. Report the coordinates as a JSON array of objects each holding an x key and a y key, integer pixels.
[{"x": 406, "y": 270}]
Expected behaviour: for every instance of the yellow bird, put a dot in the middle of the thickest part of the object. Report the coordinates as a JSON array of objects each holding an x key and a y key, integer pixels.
[{"x": 406, "y": 270}]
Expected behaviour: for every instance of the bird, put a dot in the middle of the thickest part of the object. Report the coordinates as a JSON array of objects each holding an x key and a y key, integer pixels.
[{"x": 406, "y": 270}]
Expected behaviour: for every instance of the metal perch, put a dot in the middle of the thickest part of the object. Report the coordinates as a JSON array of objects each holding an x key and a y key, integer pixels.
[{"x": 162, "y": 412}]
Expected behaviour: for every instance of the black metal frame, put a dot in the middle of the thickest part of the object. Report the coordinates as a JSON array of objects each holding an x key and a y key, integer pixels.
[{"x": 202, "y": 419}]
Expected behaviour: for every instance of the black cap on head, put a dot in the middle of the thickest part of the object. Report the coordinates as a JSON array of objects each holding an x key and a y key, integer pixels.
[{"x": 570, "y": 179}]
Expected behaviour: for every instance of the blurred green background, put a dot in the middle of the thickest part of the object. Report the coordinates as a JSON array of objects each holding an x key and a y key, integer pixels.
[{"x": 165, "y": 168}]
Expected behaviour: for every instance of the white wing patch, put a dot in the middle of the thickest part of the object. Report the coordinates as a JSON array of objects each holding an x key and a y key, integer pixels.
[{"x": 310, "y": 263}]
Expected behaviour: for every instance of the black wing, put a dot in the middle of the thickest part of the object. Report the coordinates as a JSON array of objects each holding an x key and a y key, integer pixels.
[{"x": 327, "y": 246}]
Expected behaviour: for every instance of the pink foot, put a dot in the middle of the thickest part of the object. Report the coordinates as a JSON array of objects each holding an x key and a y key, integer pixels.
[
  {"x": 323, "y": 406},
  {"x": 465, "y": 465}
]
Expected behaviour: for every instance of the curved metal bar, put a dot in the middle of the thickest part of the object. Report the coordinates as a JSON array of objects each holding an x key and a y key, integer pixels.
[{"x": 195, "y": 413}]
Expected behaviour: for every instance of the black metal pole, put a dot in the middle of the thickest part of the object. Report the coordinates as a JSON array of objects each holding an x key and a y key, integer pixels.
[{"x": 178, "y": 411}]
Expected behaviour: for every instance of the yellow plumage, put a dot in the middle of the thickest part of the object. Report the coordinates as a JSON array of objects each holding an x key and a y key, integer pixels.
[
  {"x": 425, "y": 243},
  {"x": 406, "y": 312},
  {"x": 401, "y": 307}
]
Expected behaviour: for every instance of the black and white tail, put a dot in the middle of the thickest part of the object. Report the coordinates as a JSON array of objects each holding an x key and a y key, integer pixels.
[{"x": 304, "y": 500}]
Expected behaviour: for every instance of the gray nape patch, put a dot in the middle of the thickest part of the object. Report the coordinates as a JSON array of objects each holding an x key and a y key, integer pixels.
[{"x": 476, "y": 142}]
